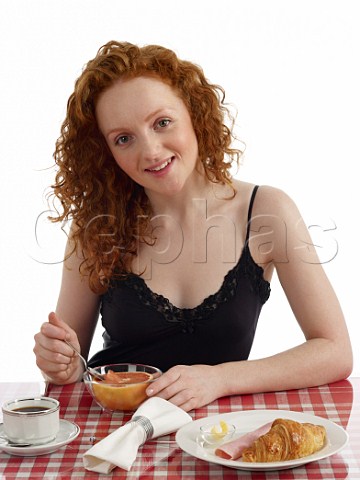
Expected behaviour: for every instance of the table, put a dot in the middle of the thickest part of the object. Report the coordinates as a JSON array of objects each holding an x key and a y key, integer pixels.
[{"x": 339, "y": 402}]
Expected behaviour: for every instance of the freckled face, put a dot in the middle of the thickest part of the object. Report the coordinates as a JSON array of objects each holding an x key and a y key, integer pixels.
[{"x": 149, "y": 132}]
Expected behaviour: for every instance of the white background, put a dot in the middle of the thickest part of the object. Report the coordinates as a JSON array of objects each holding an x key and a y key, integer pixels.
[{"x": 290, "y": 68}]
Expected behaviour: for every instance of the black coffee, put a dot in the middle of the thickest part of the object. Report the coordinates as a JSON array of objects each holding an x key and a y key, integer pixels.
[{"x": 32, "y": 409}]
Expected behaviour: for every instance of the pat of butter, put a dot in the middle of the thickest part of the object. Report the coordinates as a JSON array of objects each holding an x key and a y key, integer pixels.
[{"x": 219, "y": 431}]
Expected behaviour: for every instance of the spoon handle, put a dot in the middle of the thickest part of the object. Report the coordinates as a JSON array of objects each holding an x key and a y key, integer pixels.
[
  {"x": 92, "y": 371},
  {"x": 8, "y": 443},
  {"x": 77, "y": 351}
]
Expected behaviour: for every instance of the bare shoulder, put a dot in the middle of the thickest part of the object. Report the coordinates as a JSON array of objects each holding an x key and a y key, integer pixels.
[
  {"x": 276, "y": 223},
  {"x": 269, "y": 199},
  {"x": 274, "y": 201},
  {"x": 270, "y": 204}
]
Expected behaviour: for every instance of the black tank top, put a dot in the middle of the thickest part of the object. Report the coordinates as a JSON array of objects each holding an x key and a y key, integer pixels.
[{"x": 144, "y": 327}]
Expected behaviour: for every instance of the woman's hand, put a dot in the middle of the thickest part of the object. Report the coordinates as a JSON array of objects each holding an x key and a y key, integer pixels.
[
  {"x": 188, "y": 387},
  {"x": 58, "y": 362}
]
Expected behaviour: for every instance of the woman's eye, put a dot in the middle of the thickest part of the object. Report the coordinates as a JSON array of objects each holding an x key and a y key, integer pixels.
[
  {"x": 164, "y": 122},
  {"x": 122, "y": 140}
]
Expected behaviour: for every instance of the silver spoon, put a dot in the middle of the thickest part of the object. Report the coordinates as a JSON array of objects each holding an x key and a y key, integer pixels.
[
  {"x": 92, "y": 371},
  {"x": 18, "y": 445},
  {"x": 7, "y": 443}
]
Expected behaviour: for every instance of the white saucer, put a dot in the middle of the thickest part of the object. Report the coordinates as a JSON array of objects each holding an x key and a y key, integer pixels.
[{"x": 67, "y": 433}]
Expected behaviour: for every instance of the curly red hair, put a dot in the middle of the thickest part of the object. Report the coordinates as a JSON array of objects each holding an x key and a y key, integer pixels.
[{"x": 110, "y": 211}]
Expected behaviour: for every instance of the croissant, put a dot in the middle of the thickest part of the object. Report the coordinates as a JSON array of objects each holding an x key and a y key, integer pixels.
[{"x": 286, "y": 440}]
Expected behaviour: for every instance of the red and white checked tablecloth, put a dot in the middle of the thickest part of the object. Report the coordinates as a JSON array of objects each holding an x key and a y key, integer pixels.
[{"x": 339, "y": 402}]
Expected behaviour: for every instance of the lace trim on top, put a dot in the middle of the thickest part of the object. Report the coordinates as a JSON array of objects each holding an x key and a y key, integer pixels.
[{"x": 246, "y": 267}]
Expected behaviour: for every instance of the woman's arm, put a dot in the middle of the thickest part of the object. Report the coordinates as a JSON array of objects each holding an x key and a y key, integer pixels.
[
  {"x": 75, "y": 319},
  {"x": 326, "y": 354}
]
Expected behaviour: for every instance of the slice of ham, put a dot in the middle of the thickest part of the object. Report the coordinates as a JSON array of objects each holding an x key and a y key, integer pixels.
[{"x": 233, "y": 450}]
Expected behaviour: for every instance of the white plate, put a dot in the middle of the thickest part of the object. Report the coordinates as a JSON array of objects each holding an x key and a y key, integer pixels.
[
  {"x": 67, "y": 433},
  {"x": 248, "y": 420}
]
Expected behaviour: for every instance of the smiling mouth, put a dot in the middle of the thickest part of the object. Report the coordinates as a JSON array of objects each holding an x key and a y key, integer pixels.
[{"x": 160, "y": 167}]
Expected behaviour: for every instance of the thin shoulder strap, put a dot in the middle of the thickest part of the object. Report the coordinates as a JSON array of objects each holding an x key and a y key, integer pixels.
[{"x": 250, "y": 212}]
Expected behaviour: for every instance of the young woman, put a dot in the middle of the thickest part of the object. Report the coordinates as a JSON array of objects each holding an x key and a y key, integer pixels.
[{"x": 175, "y": 254}]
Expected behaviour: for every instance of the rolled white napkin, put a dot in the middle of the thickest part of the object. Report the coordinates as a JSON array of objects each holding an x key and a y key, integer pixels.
[{"x": 154, "y": 417}]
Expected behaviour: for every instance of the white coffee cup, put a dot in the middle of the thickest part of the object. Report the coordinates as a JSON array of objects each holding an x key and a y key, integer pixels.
[{"x": 31, "y": 420}]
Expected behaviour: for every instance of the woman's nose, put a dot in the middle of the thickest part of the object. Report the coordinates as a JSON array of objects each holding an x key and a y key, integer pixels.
[{"x": 150, "y": 148}]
